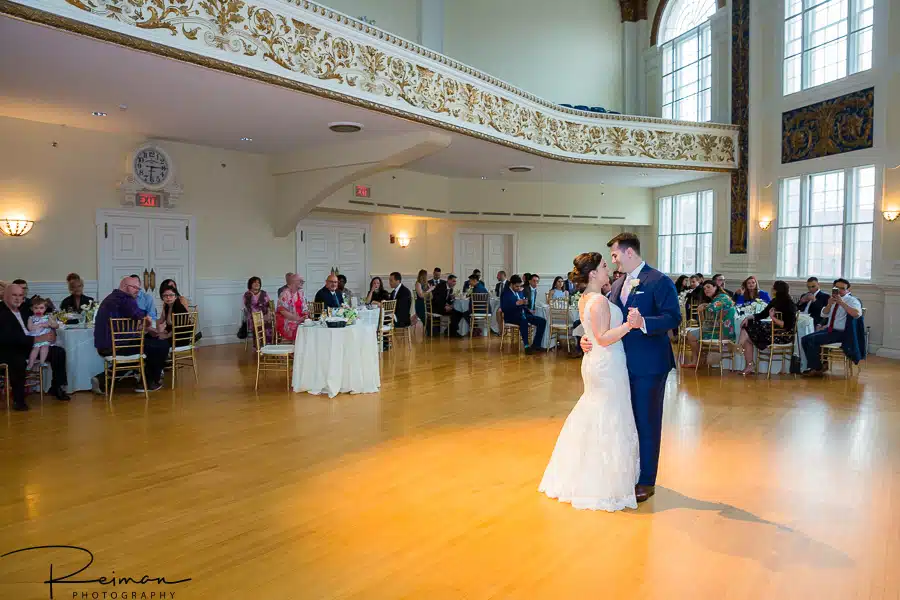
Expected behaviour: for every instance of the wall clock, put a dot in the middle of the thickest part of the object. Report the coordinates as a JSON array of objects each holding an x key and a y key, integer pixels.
[{"x": 152, "y": 166}]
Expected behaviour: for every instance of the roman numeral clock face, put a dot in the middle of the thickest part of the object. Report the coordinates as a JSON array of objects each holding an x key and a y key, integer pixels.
[{"x": 151, "y": 167}]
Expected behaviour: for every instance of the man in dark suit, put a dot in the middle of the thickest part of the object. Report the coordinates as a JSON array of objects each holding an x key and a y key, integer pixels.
[
  {"x": 16, "y": 344},
  {"x": 569, "y": 285},
  {"x": 719, "y": 279},
  {"x": 531, "y": 291},
  {"x": 813, "y": 301},
  {"x": 328, "y": 295},
  {"x": 436, "y": 277},
  {"x": 513, "y": 305},
  {"x": 403, "y": 297},
  {"x": 442, "y": 298},
  {"x": 501, "y": 283},
  {"x": 647, "y": 298}
]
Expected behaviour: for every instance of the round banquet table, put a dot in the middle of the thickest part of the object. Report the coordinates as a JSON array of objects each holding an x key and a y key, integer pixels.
[
  {"x": 82, "y": 360},
  {"x": 336, "y": 361}
]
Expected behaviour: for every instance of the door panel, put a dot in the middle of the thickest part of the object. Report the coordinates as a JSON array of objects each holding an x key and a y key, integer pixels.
[
  {"x": 125, "y": 251},
  {"x": 351, "y": 258},
  {"x": 471, "y": 254},
  {"x": 320, "y": 258},
  {"x": 498, "y": 256}
]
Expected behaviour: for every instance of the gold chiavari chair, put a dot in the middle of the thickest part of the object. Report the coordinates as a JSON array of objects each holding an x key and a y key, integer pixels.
[
  {"x": 689, "y": 320},
  {"x": 316, "y": 309},
  {"x": 4, "y": 376},
  {"x": 559, "y": 321},
  {"x": 127, "y": 353},
  {"x": 270, "y": 357},
  {"x": 35, "y": 378},
  {"x": 386, "y": 323},
  {"x": 510, "y": 331},
  {"x": 184, "y": 331},
  {"x": 430, "y": 316},
  {"x": 480, "y": 314},
  {"x": 711, "y": 327},
  {"x": 276, "y": 337},
  {"x": 778, "y": 351}
]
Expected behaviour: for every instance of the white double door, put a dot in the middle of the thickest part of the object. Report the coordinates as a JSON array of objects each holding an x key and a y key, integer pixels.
[
  {"x": 155, "y": 247},
  {"x": 489, "y": 252},
  {"x": 325, "y": 248}
]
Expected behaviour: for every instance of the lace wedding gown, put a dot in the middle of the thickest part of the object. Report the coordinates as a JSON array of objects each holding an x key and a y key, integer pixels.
[{"x": 596, "y": 463}]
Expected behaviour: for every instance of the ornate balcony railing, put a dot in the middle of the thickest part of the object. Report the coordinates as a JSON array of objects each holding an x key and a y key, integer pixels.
[{"x": 305, "y": 46}]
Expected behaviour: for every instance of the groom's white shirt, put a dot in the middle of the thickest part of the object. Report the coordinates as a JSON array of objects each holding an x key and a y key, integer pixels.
[{"x": 625, "y": 286}]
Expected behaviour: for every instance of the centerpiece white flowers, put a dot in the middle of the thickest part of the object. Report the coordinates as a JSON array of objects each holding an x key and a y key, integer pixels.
[
  {"x": 344, "y": 313},
  {"x": 574, "y": 298},
  {"x": 89, "y": 311}
]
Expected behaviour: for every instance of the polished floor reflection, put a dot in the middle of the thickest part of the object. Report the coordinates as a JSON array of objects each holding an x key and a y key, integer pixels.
[{"x": 769, "y": 489}]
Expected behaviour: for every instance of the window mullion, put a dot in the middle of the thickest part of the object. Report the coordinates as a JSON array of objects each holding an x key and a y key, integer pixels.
[
  {"x": 804, "y": 199},
  {"x": 849, "y": 183}
]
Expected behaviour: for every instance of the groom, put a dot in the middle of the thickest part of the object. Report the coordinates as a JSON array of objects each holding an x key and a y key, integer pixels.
[{"x": 651, "y": 303}]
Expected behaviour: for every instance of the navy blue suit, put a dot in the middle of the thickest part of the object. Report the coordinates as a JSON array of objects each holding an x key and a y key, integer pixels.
[
  {"x": 650, "y": 358},
  {"x": 517, "y": 314},
  {"x": 329, "y": 299}
]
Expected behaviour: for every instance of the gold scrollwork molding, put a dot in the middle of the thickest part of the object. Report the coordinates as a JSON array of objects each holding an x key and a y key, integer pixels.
[{"x": 302, "y": 45}]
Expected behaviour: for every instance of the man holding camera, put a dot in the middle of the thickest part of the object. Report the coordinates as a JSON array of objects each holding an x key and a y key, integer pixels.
[{"x": 840, "y": 306}]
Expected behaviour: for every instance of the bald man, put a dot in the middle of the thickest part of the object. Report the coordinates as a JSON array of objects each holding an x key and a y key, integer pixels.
[
  {"x": 15, "y": 346},
  {"x": 122, "y": 304}
]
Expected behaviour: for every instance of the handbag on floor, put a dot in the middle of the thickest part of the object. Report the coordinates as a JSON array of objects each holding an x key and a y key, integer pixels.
[{"x": 242, "y": 332}]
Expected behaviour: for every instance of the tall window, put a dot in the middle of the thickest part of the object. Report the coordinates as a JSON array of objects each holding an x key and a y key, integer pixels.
[
  {"x": 687, "y": 60},
  {"x": 825, "y": 224},
  {"x": 685, "y": 233},
  {"x": 825, "y": 40}
]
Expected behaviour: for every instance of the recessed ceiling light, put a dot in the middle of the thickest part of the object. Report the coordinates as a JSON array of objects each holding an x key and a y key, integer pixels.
[
  {"x": 246, "y": 139},
  {"x": 123, "y": 107},
  {"x": 483, "y": 177},
  {"x": 520, "y": 169},
  {"x": 98, "y": 114},
  {"x": 602, "y": 183},
  {"x": 643, "y": 174},
  {"x": 345, "y": 127}
]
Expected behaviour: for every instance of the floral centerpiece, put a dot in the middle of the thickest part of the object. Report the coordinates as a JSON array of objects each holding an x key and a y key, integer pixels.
[
  {"x": 89, "y": 311},
  {"x": 344, "y": 313},
  {"x": 575, "y": 298}
]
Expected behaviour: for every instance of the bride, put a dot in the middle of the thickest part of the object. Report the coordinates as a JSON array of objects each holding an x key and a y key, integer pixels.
[{"x": 596, "y": 464}]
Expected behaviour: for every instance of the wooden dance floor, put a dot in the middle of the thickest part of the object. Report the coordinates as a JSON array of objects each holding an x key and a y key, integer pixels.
[{"x": 787, "y": 488}]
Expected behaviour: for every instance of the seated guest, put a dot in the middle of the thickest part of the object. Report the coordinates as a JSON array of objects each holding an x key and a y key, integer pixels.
[
  {"x": 501, "y": 283},
  {"x": 476, "y": 275},
  {"x": 569, "y": 286},
  {"x": 342, "y": 287},
  {"x": 291, "y": 310},
  {"x": 122, "y": 304},
  {"x": 39, "y": 324},
  {"x": 476, "y": 285},
  {"x": 329, "y": 295},
  {"x": 513, "y": 304},
  {"x": 757, "y": 332},
  {"x": 377, "y": 294},
  {"x": 435, "y": 277},
  {"x": 813, "y": 301},
  {"x": 144, "y": 300},
  {"x": 720, "y": 281},
  {"x": 750, "y": 292},
  {"x": 25, "y": 309},
  {"x": 16, "y": 345},
  {"x": 287, "y": 284},
  {"x": 404, "y": 300},
  {"x": 841, "y": 306},
  {"x": 171, "y": 306},
  {"x": 423, "y": 288},
  {"x": 715, "y": 301},
  {"x": 442, "y": 300},
  {"x": 257, "y": 300},
  {"x": 170, "y": 283},
  {"x": 681, "y": 284},
  {"x": 76, "y": 298},
  {"x": 695, "y": 281},
  {"x": 531, "y": 292},
  {"x": 557, "y": 290}
]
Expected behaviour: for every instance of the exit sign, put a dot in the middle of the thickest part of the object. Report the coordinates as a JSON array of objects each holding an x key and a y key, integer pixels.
[
  {"x": 362, "y": 191},
  {"x": 147, "y": 200}
]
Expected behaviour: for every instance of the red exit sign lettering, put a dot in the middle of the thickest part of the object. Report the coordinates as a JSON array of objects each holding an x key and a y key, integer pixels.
[
  {"x": 148, "y": 200},
  {"x": 362, "y": 191}
]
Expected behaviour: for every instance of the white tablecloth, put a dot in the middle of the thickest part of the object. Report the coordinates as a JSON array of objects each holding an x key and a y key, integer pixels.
[
  {"x": 334, "y": 361},
  {"x": 82, "y": 360},
  {"x": 462, "y": 305}
]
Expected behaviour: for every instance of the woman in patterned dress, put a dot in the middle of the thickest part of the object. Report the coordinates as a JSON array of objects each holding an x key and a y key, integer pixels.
[
  {"x": 257, "y": 300},
  {"x": 291, "y": 311},
  {"x": 715, "y": 301}
]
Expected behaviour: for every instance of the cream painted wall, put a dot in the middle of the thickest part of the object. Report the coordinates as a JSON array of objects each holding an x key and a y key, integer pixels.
[
  {"x": 400, "y": 17},
  {"x": 542, "y": 248},
  {"x": 566, "y": 52},
  {"x": 61, "y": 188},
  {"x": 420, "y": 192}
]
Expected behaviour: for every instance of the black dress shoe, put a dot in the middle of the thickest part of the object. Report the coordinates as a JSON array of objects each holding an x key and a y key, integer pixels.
[
  {"x": 20, "y": 407},
  {"x": 60, "y": 394},
  {"x": 642, "y": 493}
]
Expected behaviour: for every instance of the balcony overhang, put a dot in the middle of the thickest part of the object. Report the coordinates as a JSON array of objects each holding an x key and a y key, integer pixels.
[{"x": 310, "y": 48}]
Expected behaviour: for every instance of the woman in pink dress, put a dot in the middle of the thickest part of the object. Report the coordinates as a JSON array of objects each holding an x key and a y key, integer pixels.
[{"x": 291, "y": 311}]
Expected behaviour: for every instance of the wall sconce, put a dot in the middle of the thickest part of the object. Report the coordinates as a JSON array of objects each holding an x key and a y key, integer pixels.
[
  {"x": 15, "y": 227},
  {"x": 890, "y": 215},
  {"x": 765, "y": 223},
  {"x": 403, "y": 241}
]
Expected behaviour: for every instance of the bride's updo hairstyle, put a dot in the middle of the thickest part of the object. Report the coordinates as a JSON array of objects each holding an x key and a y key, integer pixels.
[{"x": 584, "y": 264}]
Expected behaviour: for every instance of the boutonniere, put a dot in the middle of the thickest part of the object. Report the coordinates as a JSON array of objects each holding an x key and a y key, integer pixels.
[{"x": 633, "y": 284}]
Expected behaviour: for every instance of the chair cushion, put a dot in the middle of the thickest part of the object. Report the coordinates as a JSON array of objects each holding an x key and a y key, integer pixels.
[
  {"x": 834, "y": 346},
  {"x": 275, "y": 349},
  {"x": 183, "y": 348},
  {"x": 124, "y": 359},
  {"x": 387, "y": 328}
]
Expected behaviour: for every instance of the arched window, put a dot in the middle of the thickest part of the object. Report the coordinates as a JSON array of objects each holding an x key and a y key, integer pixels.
[{"x": 686, "y": 47}]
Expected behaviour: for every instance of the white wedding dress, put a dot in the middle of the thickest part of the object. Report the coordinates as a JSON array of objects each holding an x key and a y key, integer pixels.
[{"x": 596, "y": 462}]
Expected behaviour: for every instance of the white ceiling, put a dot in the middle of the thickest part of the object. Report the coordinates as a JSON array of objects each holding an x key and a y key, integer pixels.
[{"x": 60, "y": 78}]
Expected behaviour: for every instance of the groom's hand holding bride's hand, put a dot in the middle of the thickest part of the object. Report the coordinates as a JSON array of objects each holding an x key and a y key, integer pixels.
[{"x": 635, "y": 320}]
